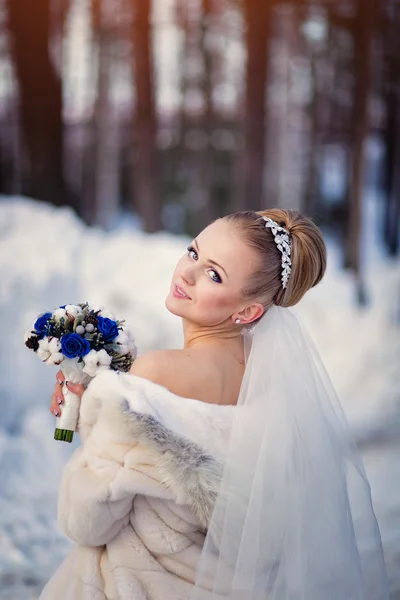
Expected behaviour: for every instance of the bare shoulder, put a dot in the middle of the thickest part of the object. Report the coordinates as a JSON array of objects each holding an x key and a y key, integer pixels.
[
  {"x": 155, "y": 365},
  {"x": 181, "y": 371}
]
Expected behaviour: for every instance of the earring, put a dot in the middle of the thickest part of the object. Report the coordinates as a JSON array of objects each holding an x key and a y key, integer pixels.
[{"x": 237, "y": 321}]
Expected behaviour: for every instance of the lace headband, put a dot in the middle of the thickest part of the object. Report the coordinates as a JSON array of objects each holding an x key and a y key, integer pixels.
[{"x": 282, "y": 240}]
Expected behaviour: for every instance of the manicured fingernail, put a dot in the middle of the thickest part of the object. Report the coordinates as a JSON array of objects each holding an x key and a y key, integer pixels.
[
  {"x": 59, "y": 400},
  {"x": 55, "y": 412},
  {"x": 60, "y": 381},
  {"x": 67, "y": 383}
]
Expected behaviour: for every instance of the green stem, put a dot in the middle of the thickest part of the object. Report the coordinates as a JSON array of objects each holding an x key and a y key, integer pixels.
[{"x": 63, "y": 435}]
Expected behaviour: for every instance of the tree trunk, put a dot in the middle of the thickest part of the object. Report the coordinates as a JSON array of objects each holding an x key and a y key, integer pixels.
[
  {"x": 40, "y": 99},
  {"x": 182, "y": 23},
  {"x": 145, "y": 172},
  {"x": 102, "y": 192},
  {"x": 257, "y": 16},
  {"x": 362, "y": 69},
  {"x": 204, "y": 168},
  {"x": 393, "y": 241},
  {"x": 391, "y": 181},
  {"x": 310, "y": 189},
  {"x": 392, "y": 131}
]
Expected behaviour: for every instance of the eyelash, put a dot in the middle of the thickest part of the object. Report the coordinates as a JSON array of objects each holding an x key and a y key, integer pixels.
[{"x": 219, "y": 280}]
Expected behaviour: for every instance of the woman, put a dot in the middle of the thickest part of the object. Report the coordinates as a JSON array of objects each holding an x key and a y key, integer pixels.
[{"x": 225, "y": 469}]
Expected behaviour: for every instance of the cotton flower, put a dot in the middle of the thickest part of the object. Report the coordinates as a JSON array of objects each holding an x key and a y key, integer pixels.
[
  {"x": 123, "y": 349},
  {"x": 50, "y": 347},
  {"x": 126, "y": 343},
  {"x": 43, "y": 351},
  {"x": 96, "y": 361},
  {"x": 54, "y": 345},
  {"x": 73, "y": 310},
  {"x": 59, "y": 313},
  {"x": 132, "y": 345},
  {"x": 55, "y": 359},
  {"x": 128, "y": 337},
  {"x": 122, "y": 338}
]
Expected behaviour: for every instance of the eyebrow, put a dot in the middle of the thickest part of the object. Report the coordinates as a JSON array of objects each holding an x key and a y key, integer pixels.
[{"x": 209, "y": 260}]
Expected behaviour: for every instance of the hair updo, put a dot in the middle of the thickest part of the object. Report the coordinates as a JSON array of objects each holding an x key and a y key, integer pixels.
[{"x": 308, "y": 255}]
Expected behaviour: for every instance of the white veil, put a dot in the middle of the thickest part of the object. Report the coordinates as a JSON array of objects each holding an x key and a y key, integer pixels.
[{"x": 293, "y": 519}]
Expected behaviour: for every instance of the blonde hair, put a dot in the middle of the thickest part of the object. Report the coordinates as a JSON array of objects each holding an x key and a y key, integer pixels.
[{"x": 308, "y": 255}]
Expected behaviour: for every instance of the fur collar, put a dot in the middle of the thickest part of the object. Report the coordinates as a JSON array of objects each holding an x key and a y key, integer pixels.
[
  {"x": 114, "y": 400},
  {"x": 187, "y": 438}
]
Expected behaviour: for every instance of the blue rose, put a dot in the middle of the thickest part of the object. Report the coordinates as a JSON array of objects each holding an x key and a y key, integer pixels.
[
  {"x": 108, "y": 328},
  {"x": 73, "y": 345},
  {"x": 41, "y": 323}
]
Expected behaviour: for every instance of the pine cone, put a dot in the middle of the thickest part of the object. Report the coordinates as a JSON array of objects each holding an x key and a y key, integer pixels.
[
  {"x": 91, "y": 318},
  {"x": 32, "y": 343}
]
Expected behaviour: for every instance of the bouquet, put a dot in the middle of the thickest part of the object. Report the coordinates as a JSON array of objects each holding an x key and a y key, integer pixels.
[{"x": 83, "y": 341}]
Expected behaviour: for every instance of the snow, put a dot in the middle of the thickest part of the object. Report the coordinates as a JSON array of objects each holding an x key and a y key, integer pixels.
[{"x": 49, "y": 257}]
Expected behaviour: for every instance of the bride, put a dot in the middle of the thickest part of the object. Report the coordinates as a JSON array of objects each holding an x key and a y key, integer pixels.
[{"x": 225, "y": 470}]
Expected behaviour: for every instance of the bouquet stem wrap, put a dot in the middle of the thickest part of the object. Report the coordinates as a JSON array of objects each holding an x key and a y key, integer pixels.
[{"x": 66, "y": 424}]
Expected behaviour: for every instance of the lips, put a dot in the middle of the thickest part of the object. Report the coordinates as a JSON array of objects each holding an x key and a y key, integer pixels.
[{"x": 179, "y": 292}]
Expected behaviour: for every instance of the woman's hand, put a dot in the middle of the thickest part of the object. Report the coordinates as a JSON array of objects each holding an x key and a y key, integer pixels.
[{"x": 57, "y": 397}]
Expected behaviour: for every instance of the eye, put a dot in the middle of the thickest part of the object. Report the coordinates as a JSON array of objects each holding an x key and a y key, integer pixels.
[
  {"x": 214, "y": 275},
  {"x": 192, "y": 251},
  {"x": 217, "y": 278}
]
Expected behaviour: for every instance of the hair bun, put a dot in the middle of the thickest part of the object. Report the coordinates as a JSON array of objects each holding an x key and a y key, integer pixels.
[{"x": 308, "y": 254}]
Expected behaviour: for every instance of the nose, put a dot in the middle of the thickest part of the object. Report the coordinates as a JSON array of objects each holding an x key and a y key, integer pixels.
[{"x": 188, "y": 276}]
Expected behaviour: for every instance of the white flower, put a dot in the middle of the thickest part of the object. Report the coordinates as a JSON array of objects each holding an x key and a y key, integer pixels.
[
  {"x": 128, "y": 333},
  {"x": 59, "y": 313},
  {"x": 43, "y": 351},
  {"x": 54, "y": 345},
  {"x": 96, "y": 361},
  {"x": 55, "y": 359},
  {"x": 49, "y": 347},
  {"x": 126, "y": 343},
  {"x": 131, "y": 349},
  {"x": 122, "y": 338},
  {"x": 73, "y": 310},
  {"x": 123, "y": 349},
  {"x": 132, "y": 344}
]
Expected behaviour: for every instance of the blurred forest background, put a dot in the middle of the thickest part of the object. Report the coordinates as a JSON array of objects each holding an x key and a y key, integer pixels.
[{"x": 177, "y": 111}]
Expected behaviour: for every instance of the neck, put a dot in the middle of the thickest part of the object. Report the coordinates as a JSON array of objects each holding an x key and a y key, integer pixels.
[{"x": 195, "y": 334}]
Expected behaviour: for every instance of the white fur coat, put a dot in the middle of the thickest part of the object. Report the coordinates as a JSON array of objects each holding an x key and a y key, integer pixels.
[{"x": 136, "y": 497}]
